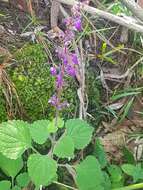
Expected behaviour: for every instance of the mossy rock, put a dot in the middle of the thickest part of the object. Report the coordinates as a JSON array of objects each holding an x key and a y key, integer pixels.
[{"x": 34, "y": 84}]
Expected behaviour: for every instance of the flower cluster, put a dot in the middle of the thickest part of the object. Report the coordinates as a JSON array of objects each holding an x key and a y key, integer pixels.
[{"x": 69, "y": 59}]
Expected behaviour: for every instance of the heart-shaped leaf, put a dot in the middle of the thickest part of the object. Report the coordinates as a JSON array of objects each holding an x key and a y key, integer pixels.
[
  {"x": 14, "y": 138},
  {"x": 23, "y": 179},
  {"x": 135, "y": 171},
  {"x": 89, "y": 174},
  {"x": 5, "y": 185},
  {"x": 41, "y": 169},
  {"x": 80, "y": 132},
  {"x": 39, "y": 131},
  {"x": 65, "y": 147},
  {"x": 10, "y": 167}
]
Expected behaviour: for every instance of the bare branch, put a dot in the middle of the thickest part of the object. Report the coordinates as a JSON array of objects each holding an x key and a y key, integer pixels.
[
  {"x": 127, "y": 21},
  {"x": 134, "y": 8}
]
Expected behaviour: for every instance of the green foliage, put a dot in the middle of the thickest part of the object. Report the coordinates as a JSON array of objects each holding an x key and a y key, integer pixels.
[
  {"x": 39, "y": 131},
  {"x": 5, "y": 185},
  {"x": 14, "y": 138},
  {"x": 89, "y": 174},
  {"x": 135, "y": 171},
  {"x": 41, "y": 169},
  {"x": 16, "y": 188},
  {"x": 107, "y": 181},
  {"x": 128, "y": 155},
  {"x": 119, "y": 8},
  {"x": 64, "y": 148},
  {"x": 116, "y": 176},
  {"x": 100, "y": 153},
  {"x": 23, "y": 179},
  {"x": 10, "y": 167},
  {"x": 80, "y": 132},
  {"x": 55, "y": 124}
]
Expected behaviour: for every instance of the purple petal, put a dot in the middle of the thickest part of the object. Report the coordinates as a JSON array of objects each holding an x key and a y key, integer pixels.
[
  {"x": 78, "y": 24},
  {"x": 75, "y": 59},
  {"x": 53, "y": 71},
  {"x": 59, "y": 81},
  {"x": 71, "y": 71}
]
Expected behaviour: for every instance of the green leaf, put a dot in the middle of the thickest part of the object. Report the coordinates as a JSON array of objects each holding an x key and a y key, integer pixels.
[
  {"x": 126, "y": 109},
  {"x": 118, "y": 8},
  {"x": 128, "y": 156},
  {"x": 5, "y": 185},
  {"x": 23, "y": 179},
  {"x": 64, "y": 147},
  {"x": 89, "y": 174},
  {"x": 14, "y": 138},
  {"x": 115, "y": 173},
  {"x": 80, "y": 132},
  {"x": 116, "y": 176},
  {"x": 118, "y": 96},
  {"x": 135, "y": 171},
  {"x": 41, "y": 169},
  {"x": 10, "y": 167},
  {"x": 100, "y": 153},
  {"x": 55, "y": 124},
  {"x": 39, "y": 131},
  {"x": 128, "y": 168},
  {"x": 107, "y": 182},
  {"x": 16, "y": 188}
]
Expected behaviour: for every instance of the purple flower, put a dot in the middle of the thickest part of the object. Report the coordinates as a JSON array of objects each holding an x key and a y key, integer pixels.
[
  {"x": 53, "y": 101},
  {"x": 62, "y": 105},
  {"x": 69, "y": 36},
  {"x": 67, "y": 21},
  {"x": 74, "y": 59},
  {"x": 59, "y": 81},
  {"x": 78, "y": 24},
  {"x": 53, "y": 71},
  {"x": 69, "y": 60},
  {"x": 70, "y": 70},
  {"x": 65, "y": 61}
]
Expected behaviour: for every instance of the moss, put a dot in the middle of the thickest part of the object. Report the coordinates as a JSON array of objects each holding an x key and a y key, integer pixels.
[
  {"x": 34, "y": 84},
  {"x": 32, "y": 81}
]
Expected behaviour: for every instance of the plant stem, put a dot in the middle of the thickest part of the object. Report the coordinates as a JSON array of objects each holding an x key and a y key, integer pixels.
[
  {"x": 64, "y": 185},
  {"x": 131, "y": 187},
  {"x": 35, "y": 150}
]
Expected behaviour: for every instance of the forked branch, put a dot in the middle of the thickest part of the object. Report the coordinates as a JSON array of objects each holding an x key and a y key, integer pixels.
[{"x": 127, "y": 21}]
